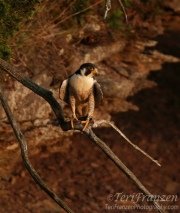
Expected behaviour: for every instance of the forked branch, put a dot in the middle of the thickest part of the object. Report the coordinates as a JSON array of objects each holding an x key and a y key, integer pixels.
[
  {"x": 24, "y": 154},
  {"x": 123, "y": 135},
  {"x": 47, "y": 95}
]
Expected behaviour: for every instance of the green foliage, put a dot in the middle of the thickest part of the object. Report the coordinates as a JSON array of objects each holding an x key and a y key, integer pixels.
[
  {"x": 127, "y": 3},
  {"x": 115, "y": 17},
  {"x": 77, "y": 7},
  {"x": 5, "y": 51},
  {"x": 114, "y": 20},
  {"x": 12, "y": 13}
]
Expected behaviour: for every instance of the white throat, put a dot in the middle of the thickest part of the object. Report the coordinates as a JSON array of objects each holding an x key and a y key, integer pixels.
[{"x": 81, "y": 82}]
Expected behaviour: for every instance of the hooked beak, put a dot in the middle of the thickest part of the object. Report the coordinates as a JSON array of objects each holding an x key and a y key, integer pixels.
[{"x": 95, "y": 71}]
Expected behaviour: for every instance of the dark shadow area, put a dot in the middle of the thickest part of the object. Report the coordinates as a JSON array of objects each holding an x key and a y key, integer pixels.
[
  {"x": 168, "y": 43},
  {"x": 156, "y": 126},
  {"x": 159, "y": 107}
]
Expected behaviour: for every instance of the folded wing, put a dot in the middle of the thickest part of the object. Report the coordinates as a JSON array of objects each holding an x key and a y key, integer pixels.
[
  {"x": 98, "y": 94},
  {"x": 63, "y": 91}
]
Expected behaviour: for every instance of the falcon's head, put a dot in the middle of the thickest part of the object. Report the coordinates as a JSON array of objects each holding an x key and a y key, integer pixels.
[{"x": 88, "y": 69}]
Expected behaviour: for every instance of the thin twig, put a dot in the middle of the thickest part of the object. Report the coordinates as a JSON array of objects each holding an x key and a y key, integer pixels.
[
  {"x": 108, "y": 7},
  {"x": 24, "y": 154},
  {"x": 124, "y": 11},
  {"x": 124, "y": 136}
]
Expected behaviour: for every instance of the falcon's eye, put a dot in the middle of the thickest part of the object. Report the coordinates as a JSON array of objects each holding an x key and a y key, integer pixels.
[{"x": 91, "y": 68}]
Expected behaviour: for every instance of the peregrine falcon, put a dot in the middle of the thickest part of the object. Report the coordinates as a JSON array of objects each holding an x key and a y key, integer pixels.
[{"x": 82, "y": 92}]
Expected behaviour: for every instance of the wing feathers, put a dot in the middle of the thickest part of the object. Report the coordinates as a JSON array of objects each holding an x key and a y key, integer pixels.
[
  {"x": 98, "y": 94},
  {"x": 63, "y": 91}
]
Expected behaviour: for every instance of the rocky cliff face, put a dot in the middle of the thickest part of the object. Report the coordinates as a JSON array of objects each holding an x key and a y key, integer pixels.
[{"x": 125, "y": 67}]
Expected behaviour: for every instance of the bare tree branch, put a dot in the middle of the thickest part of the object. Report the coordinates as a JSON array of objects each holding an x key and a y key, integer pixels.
[
  {"x": 123, "y": 168},
  {"x": 47, "y": 95},
  {"x": 24, "y": 154}
]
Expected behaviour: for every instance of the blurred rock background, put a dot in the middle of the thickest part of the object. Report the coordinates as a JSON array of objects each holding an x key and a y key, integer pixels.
[{"x": 139, "y": 65}]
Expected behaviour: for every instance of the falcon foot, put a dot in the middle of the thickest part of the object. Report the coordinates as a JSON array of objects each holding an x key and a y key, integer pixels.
[
  {"x": 86, "y": 122},
  {"x": 72, "y": 121}
]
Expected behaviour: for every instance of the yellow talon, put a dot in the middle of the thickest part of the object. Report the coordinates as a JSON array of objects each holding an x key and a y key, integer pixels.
[
  {"x": 86, "y": 123},
  {"x": 72, "y": 124},
  {"x": 72, "y": 121}
]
